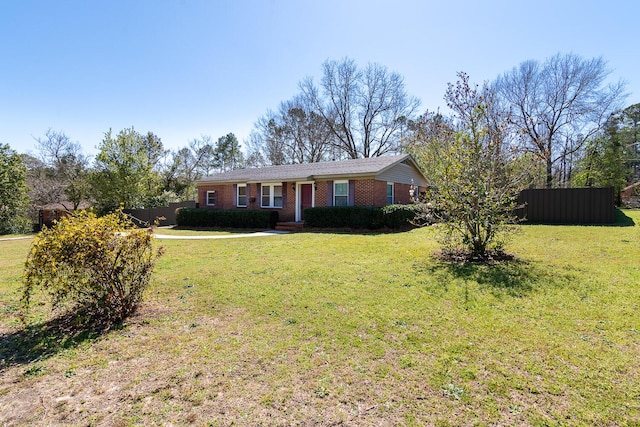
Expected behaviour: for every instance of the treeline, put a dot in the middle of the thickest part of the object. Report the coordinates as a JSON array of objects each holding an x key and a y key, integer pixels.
[
  {"x": 560, "y": 120},
  {"x": 131, "y": 169}
]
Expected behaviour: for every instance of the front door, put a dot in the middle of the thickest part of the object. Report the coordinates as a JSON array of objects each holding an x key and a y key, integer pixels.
[{"x": 306, "y": 198}]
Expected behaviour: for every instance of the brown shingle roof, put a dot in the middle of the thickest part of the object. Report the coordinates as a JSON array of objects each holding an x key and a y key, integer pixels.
[{"x": 310, "y": 171}]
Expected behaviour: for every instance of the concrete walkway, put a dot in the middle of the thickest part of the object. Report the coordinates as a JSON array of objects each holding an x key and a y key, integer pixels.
[
  {"x": 221, "y": 236},
  {"x": 172, "y": 237},
  {"x": 6, "y": 239}
]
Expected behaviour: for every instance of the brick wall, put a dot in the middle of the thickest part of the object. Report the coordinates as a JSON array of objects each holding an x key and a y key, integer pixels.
[
  {"x": 368, "y": 192},
  {"x": 226, "y": 196},
  {"x": 401, "y": 193},
  {"x": 288, "y": 210},
  {"x": 321, "y": 193}
]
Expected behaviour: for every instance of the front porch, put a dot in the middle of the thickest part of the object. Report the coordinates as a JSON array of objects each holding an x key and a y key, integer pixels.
[{"x": 290, "y": 226}]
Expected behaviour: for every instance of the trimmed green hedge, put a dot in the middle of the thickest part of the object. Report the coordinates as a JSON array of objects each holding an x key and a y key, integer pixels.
[
  {"x": 343, "y": 217},
  {"x": 398, "y": 216},
  {"x": 361, "y": 217},
  {"x": 226, "y": 218}
]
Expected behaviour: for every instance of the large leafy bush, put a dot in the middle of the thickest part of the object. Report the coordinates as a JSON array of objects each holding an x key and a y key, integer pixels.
[{"x": 96, "y": 266}]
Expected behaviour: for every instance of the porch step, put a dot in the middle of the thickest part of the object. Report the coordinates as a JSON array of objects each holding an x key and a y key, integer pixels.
[{"x": 290, "y": 226}]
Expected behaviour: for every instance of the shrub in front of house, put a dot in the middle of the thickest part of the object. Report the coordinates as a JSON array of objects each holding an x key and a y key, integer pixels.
[
  {"x": 226, "y": 218},
  {"x": 361, "y": 217},
  {"x": 358, "y": 217},
  {"x": 398, "y": 216},
  {"x": 415, "y": 214}
]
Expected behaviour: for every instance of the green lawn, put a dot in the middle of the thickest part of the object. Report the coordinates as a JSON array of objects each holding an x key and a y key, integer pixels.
[{"x": 346, "y": 329}]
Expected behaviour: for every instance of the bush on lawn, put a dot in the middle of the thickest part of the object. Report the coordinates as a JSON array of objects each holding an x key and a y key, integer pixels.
[
  {"x": 226, "y": 218},
  {"x": 97, "y": 267}
]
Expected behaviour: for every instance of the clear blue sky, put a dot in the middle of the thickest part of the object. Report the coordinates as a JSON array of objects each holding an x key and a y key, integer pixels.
[{"x": 186, "y": 68}]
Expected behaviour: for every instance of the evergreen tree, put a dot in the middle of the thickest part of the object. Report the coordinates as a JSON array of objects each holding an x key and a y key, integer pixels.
[{"x": 13, "y": 192}]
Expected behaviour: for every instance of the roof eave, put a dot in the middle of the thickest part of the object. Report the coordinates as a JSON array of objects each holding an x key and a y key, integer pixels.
[
  {"x": 289, "y": 179},
  {"x": 271, "y": 180},
  {"x": 219, "y": 181},
  {"x": 253, "y": 181},
  {"x": 342, "y": 175}
]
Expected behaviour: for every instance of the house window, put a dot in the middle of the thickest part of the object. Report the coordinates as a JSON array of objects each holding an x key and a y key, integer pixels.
[
  {"x": 242, "y": 195},
  {"x": 212, "y": 198},
  {"x": 277, "y": 196},
  {"x": 340, "y": 193},
  {"x": 271, "y": 196},
  {"x": 389, "y": 193}
]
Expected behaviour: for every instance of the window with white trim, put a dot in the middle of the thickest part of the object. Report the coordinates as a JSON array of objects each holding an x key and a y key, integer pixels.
[
  {"x": 340, "y": 193},
  {"x": 242, "y": 195},
  {"x": 389, "y": 193},
  {"x": 271, "y": 195},
  {"x": 212, "y": 198}
]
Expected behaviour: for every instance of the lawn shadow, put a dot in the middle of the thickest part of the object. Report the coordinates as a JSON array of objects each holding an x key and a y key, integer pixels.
[
  {"x": 622, "y": 220},
  {"x": 212, "y": 229},
  {"x": 39, "y": 341},
  {"x": 355, "y": 231},
  {"x": 517, "y": 278}
]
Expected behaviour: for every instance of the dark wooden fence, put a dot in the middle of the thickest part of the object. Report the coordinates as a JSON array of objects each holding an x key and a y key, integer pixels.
[
  {"x": 567, "y": 206},
  {"x": 148, "y": 216}
]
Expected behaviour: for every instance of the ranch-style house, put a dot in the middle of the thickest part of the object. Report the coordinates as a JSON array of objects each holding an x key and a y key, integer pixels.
[{"x": 290, "y": 189}]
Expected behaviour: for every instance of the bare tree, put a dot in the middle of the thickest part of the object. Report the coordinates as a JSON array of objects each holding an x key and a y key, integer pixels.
[
  {"x": 296, "y": 133},
  {"x": 557, "y": 105},
  {"x": 365, "y": 109},
  {"x": 268, "y": 138},
  {"x": 44, "y": 187},
  {"x": 62, "y": 172},
  {"x": 184, "y": 166},
  {"x": 430, "y": 128},
  {"x": 255, "y": 156},
  {"x": 202, "y": 158},
  {"x": 306, "y": 132}
]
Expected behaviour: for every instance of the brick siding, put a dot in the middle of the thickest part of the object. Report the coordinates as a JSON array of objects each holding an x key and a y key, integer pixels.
[
  {"x": 226, "y": 196},
  {"x": 321, "y": 193}
]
